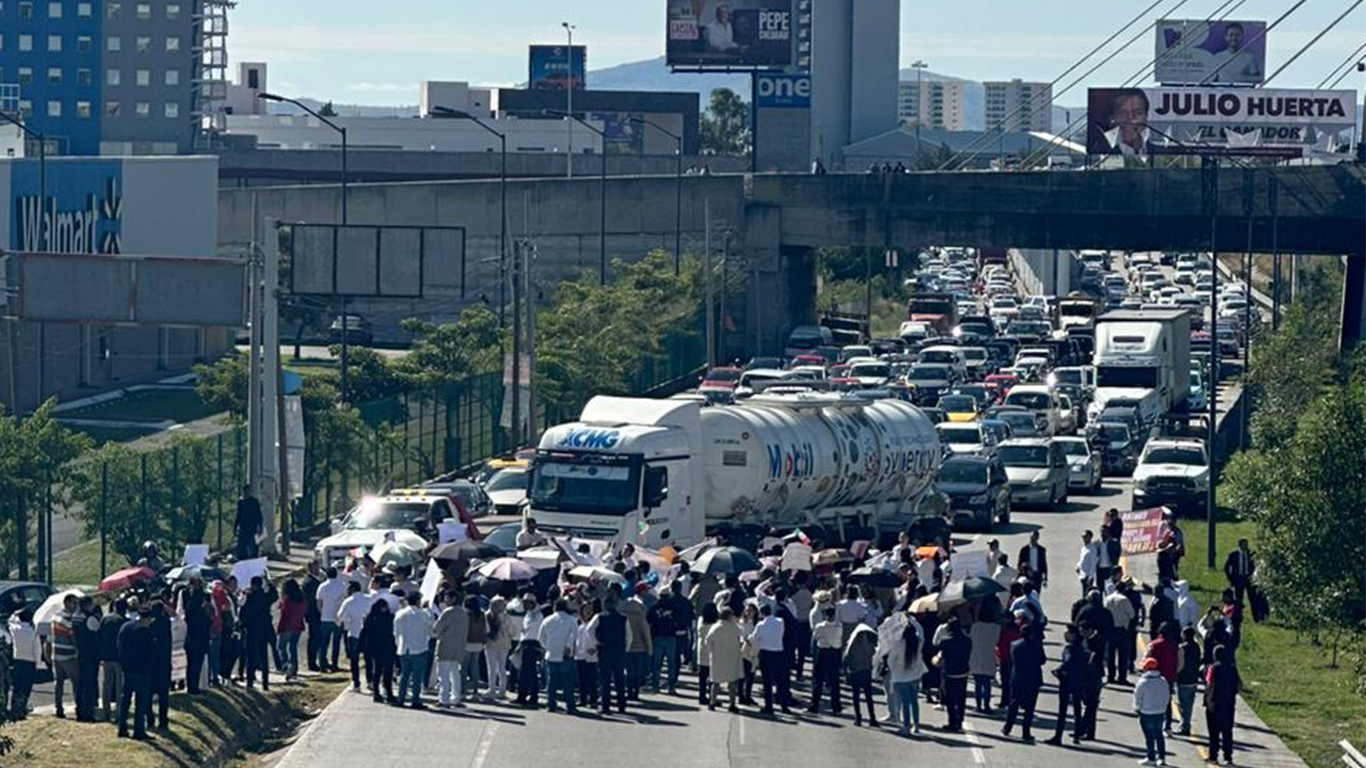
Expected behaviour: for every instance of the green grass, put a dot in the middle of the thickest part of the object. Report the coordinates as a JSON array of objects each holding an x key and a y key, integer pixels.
[
  {"x": 102, "y": 435},
  {"x": 1287, "y": 679},
  {"x": 178, "y": 405},
  {"x": 80, "y": 565}
]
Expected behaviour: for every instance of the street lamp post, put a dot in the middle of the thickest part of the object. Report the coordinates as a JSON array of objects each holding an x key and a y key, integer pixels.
[
  {"x": 459, "y": 114},
  {"x": 569, "y": 97},
  {"x": 346, "y": 323},
  {"x": 919, "y": 67},
  {"x": 42, "y": 176},
  {"x": 678, "y": 189},
  {"x": 602, "y": 207}
]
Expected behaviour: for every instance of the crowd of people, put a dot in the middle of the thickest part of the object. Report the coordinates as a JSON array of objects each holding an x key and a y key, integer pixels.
[{"x": 637, "y": 625}]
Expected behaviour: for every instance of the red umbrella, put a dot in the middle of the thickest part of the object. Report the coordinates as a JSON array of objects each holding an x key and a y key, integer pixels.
[{"x": 126, "y": 578}]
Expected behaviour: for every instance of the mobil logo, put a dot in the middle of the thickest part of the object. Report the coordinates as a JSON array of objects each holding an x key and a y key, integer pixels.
[
  {"x": 779, "y": 90},
  {"x": 798, "y": 460},
  {"x": 590, "y": 439}
]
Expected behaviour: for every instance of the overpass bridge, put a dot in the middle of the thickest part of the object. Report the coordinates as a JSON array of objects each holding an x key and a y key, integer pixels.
[{"x": 774, "y": 222}]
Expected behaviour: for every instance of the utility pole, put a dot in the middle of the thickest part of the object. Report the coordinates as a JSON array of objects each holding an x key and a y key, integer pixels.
[
  {"x": 569, "y": 100},
  {"x": 1273, "y": 202},
  {"x": 531, "y": 438},
  {"x": 707, "y": 281},
  {"x": 919, "y": 67},
  {"x": 1212, "y": 196},
  {"x": 519, "y": 248}
]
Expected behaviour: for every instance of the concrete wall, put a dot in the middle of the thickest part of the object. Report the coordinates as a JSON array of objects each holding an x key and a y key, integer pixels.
[{"x": 1041, "y": 272}]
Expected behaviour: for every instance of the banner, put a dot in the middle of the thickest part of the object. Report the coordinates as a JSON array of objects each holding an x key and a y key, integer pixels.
[
  {"x": 1194, "y": 52},
  {"x": 1143, "y": 529},
  {"x": 1138, "y": 122},
  {"x": 557, "y": 68},
  {"x": 729, "y": 33}
]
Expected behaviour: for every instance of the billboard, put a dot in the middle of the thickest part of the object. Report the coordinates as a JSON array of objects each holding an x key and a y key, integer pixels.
[
  {"x": 781, "y": 91},
  {"x": 1193, "y": 52},
  {"x": 1176, "y": 121},
  {"x": 730, "y": 33},
  {"x": 623, "y": 133},
  {"x": 556, "y": 68}
]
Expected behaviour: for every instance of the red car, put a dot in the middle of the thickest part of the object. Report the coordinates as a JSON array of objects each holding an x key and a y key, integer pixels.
[{"x": 720, "y": 379}]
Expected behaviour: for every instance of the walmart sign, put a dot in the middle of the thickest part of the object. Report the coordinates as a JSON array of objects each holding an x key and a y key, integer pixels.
[{"x": 81, "y": 212}]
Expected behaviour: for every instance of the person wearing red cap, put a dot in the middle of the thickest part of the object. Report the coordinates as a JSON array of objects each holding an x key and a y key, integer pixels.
[{"x": 1152, "y": 696}]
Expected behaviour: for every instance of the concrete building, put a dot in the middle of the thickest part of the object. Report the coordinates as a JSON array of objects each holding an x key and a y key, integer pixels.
[
  {"x": 936, "y": 104},
  {"x": 679, "y": 113},
  {"x": 412, "y": 134},
  {"x": 1017, "y": 105},
  {"x": 104, "y": 76},
  {"x": 242, "y": 94},
  {"x": 143, "y": 206},
  {"x": 854, "y": 75}
]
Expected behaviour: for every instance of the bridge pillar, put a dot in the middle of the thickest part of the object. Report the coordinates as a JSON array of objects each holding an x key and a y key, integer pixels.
[{"x": 1353, "y": 302}]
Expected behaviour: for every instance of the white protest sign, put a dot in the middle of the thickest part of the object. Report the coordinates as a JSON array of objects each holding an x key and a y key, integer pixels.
[
  {"x": 453, "y": 530},
  {"x": 796, "y": 557},
  {"x": 244, "y": 570},
  {"x": 431, "y": 582},
  {"x": 195, "y": 554},
  {"x": 967, "y": 564}
]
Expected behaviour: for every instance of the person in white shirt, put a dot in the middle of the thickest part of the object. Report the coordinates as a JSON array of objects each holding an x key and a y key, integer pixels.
[
  {"x": 1235, "y": 64},
  {"x": 557, "y": 636},
  {"x": 850, "y": 612},
  {"x": 586, "y": 656},
  {"x": 28, "y": 651},
  {"x": 350, "y": 620},
  {"x": 529, "y": 537},
  {"x": 768, "y": 636},
  {"x": 1087, "y": 558},
  {"x": 529, "y": 650},
  {"x": 828, "y": 638},
  {"x": 412, "y": 630},
  {"x": 330, "y": 595},
  {"x": 720, "y": 34}
]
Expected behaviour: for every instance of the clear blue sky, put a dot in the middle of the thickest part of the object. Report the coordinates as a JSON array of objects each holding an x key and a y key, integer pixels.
[{"x": 359, "y": 51}]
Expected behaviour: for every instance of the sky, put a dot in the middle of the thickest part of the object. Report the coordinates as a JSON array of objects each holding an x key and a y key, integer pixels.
[{"x": 362, "y": 52}]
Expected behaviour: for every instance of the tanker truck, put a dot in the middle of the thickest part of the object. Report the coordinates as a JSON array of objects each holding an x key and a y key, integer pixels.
[{"x": 669, "y": 472}]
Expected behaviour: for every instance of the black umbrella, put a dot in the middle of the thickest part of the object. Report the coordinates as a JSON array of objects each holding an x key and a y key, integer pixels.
[
  {"x": 969, "y": 589},
  {"x": 726, "y": 560},
  {"x": 460, "y": 553},
  {"x": 876, "y": 577}
]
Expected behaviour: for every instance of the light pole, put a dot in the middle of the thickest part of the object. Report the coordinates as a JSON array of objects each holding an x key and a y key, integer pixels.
[
  {"x": 919, "y": 67},
  {"x": 458, "y": 114},
  {"x": 602, "y": 207},
  {"x": 345, "y": 320},
  {"x": 569, "y": 97},
  {"x": 42, "y": 177},
  {"x": 678, "y": 189}
]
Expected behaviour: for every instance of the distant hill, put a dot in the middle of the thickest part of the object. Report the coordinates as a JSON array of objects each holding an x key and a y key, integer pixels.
[
  {"x": 654, "y": 75},
  {"x": 345, "y": 110}
]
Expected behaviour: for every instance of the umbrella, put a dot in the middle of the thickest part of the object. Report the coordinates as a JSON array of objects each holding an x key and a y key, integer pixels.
[
  {"x": 726, "y": 560},
  {"x": 591, "y": 572},
  {"x": 462, "y": 552},
  {"x": 927, "y": 551},
  {"x": 832, "y": 556},
  {"x": 51, "y": 606},
  {"x": 507, "y": 569},
  {"x": 392, "y": 553},
  {"x": 204, "y": 573},
  {"x": 877, "y": 577},
  {"x": 925, "y": 604},
  {"x": 691, "y": 554},
  {"x": 966, "y": 590},
  {"x": 126, "y": 578}
]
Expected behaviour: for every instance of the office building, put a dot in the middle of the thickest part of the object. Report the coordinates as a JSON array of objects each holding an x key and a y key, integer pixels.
[
  {"x": 112, "y": 77},
  {"x": 678, "y": 113},
  {"x": 1017, "y": 105},
  {"x": 854, "y": 75},
  {"x": 936, "y": 104}
]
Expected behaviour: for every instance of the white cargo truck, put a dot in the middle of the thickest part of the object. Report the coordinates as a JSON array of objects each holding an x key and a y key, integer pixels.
[
  {"x": 665, "y": 472},
  {"x": 1143, "y": 357}
]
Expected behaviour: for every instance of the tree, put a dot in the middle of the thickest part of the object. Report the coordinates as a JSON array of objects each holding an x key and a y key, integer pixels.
[
  {"x": 369, "y": 375},
  {"x": 441, "y": 354},
  {"x": 223, "y": 384},
  {"x": 327, "y": 110},
  {"x": 35, "y": 453},
  {"x": 725, "y": 124}
]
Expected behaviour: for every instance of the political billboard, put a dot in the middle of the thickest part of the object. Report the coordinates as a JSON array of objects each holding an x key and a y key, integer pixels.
[
  {"x": 1139, "y": 122},
  {"x": 1194, "y": 52},
  {"x": 557, "y": 68},
  {"x": 730, "y": 33}
]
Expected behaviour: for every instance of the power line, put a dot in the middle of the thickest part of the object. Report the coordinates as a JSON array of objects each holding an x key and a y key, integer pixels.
[
  {"x": 1054, "y": 82},
  {"x": 1311, "y": 43},
  {"x": 1345, "y": 73},
  {"x": 1347, "y": 62}
]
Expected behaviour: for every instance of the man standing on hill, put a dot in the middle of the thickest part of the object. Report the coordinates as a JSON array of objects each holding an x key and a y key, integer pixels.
[{"x": 249, "y": 525}]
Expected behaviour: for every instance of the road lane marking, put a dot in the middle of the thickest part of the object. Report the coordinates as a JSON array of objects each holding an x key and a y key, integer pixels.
[
  {"x": 742, "y": 731},
  {"x": 978, "y": 756},
  {"x": 481, "y": 752}
]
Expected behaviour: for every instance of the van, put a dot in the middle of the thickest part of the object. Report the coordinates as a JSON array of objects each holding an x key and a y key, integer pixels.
[
  {"x": 947, "y": 355},
  {"x": 805, "y": 338},
  {"x": 1042, "y": 401}
]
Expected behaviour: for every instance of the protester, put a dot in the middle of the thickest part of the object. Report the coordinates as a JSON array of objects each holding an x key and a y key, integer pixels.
[
  {"x": 529, "y": 652},
  {"x": 330, "y": 595},
  {"x": 1151, "y": 702},
  {"x": 472, "y": 667},
  {"x": 1087, "y": 559},
  {"x": 256, "y": 623},
  {"x": 28, "y": 651},
  {"x": 61, "y": 652},
  {"x": 1239, "y": 568},
  {"x": 722, "y": 650},
  {"x": 1071, "y": 674},
  {"x": 350, "y": 621},
  {"x": 710, "y": 615},
  {"x": 161, "y": 670},
  {"x": 412, "y": 629},
  {"x": 317, "y": 644},
  {"x": 828, "y": 639},
  {"x": 1222, "y": 684},
  {"x": 641, "y": 650},
  {"x": 451, "y": 631},
  {"x": 984, "y": 635},
  {"x": 955, "y": 652},
  {"x": 198, "y": 627},
  {"x": 586, "y": 655},
  {"x": 1026, "y": 663},
  {"x": 557, "y": 636},
  {"x": 613, "y": 635},
  {"x": 859, "y": 653},
  {"x": 662, "y": 619},
  {"x": 1120, "y": 649},
  {"x": 293, "y": 619},
  {"x": 137, "y": 644},
  {"x": 1165, "y": 651},
  {"x": 249, "y": 524},
  {"x": 87, "y": 660},
  {"x": 501, "y": 632},
  {"x": 1008, "y": 634},
  {"x": 1033, "y": 559},
  {"x": 900, "y": 652},
  {"x": 1188, "y": 674}
]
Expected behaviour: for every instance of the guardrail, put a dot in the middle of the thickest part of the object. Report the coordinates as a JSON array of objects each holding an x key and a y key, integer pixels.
[
  {"x": 1257, "y": 296},
  {"x": 1351, "y": 755}
]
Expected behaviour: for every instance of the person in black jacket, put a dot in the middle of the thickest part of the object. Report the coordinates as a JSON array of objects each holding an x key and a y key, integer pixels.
[
  {"x": 161, "y": 671},
  {"x": 87, "y": 625},
  {"x": 1026, "y": 676},
  {"x": 381, "y": 650},
  {"x": 313, "y": 618},
  {"x": 955, "y": 653},
  {"x": 255, "y": 619},
  {"x": 1095, "y": 644},
  {"x": 137, "y": 650},
  {"x": 1071, "y": 674},
  {"x": 112, "y": 682},
  {"x": 249, "y": 524},
  {"x": 1162, "y": 610},
  {"x": 1034, "y": 560},
  {"x": 197, "y": 626},
  {"x": 1222, "y": 684},
  {"x": 611, "y": 636}
]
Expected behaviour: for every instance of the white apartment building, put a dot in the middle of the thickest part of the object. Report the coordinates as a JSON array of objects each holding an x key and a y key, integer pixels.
[
  {"x": 1017, "y": 105},
  {"x": 935, "y": 104}
]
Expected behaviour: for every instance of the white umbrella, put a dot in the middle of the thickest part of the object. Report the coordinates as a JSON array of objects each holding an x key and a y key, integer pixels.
[
  {"x": 507, "y": 569},
  {"x": 51, "y": 606},
  {"x": 393, "y": 553}
]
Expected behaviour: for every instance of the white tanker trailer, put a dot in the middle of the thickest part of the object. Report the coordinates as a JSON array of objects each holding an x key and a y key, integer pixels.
[{"x": 657, "y": 472}]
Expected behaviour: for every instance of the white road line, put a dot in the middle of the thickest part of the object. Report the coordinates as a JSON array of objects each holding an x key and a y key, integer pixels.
[
  {"x": 742, "y": 730},
  {"x": 481, "y": 752},
  {"x": 978, "y": 756}
]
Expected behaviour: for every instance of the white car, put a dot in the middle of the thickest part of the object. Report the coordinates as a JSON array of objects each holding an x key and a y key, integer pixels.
[
  {"x": 870, "y": 373},
  {"x": 1172, "y": 473},
  {"x": 508, "y": 488},
  {"x": 968, "y": 437},
  {"x": 406, "y": 519},
  {"x": 1084, "y": 465},
  {"x": 1040, "y": 399}
]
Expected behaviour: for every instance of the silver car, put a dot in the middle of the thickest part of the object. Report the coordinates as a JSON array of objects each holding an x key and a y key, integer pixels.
[
  {"x": 1085, "y": 465},
  {"x": 1037, "y": 470}
]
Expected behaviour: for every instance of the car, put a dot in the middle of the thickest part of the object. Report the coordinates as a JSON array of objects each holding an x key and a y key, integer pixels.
[
  {"x": 504, "y": 537},
  {"x": 1022, "y": 423},
  {"x": 928, "y": 381},
  {"x": 1117, "y": 444},
  {"x": 806, "y": 338},
  {"x": 960, "y": 408},
  {"x": 1067, "y": 415},
  {"x": 978, "y": 491},
  {"x": 409, "y": 519},
  {"x": 854, "y": 351},
  {"x": 507, "y": 490},
  {"x": 983, "y": 394},
  {"x": 471, "y": 497},
  {"x": 935, "y": 415},
  {"x": 1173, "y": 473},
  {"x": 1085, "y": 464},
  {"x": 723, "y": 379},
  {"x": 18, "y": 595},
  {"x": 354, "y": 329},
  {"x": 1037, "y": 470},
  {"x": 752, "y": 380},
  {"x": 799, "y": 360},
  {"x": 1042, "y": 401},
  {"x": 979, "y": 362},
  {"x": 971, "y": 438},
  {"x": 496, "y": 465},
  {"x": 999, "y": 430},
  {"x": 870, "y": 373},
  {"x": 1196, "y": 401}
]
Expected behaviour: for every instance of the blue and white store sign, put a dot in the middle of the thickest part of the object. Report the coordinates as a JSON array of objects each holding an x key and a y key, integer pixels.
[{"x": 83, "y": 212}]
